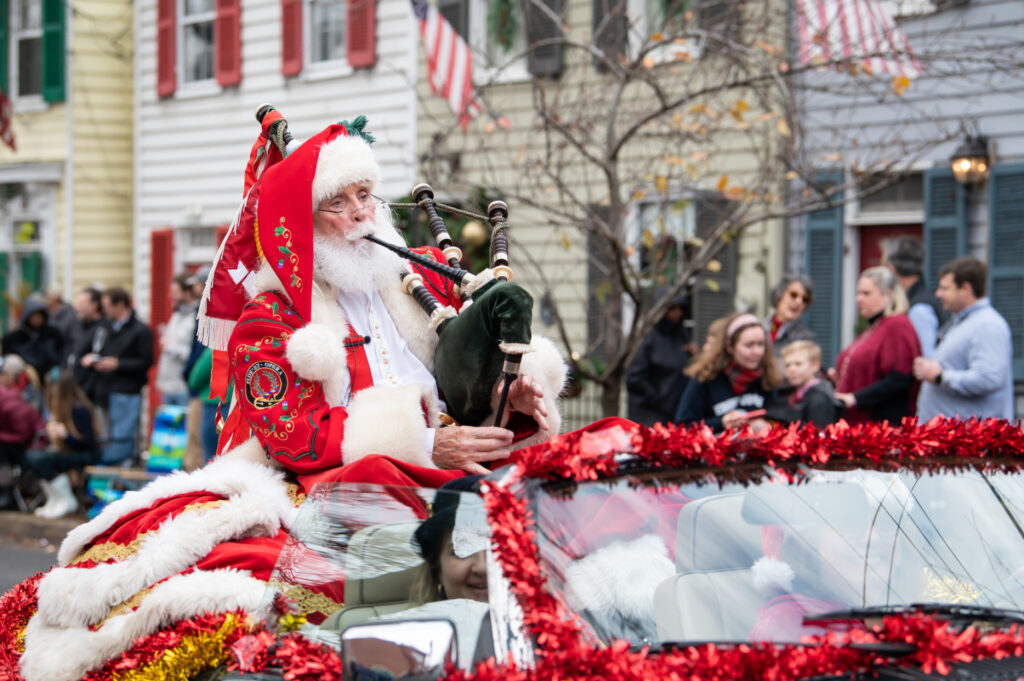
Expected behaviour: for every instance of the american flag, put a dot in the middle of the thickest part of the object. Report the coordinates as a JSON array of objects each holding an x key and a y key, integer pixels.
[
  {"x": 449, "y": 62},
  {"x": 857, "y": 31}
]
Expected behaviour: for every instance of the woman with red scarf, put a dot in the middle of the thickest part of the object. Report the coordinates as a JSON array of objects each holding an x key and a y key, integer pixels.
[
  {"x": 874, "y": 374},
  {"x": 734, "y": 380}
]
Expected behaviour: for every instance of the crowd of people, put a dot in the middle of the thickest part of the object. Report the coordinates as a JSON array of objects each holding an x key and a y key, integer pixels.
[
  {"x": 916, "y": 354},
  {"x": 72, "y": 378}
]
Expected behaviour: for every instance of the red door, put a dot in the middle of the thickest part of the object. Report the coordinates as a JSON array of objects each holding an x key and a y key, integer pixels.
[{"x": 875, "y": 240}]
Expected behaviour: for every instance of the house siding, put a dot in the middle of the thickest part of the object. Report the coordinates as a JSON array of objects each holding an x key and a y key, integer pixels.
[{"x": 192, "y": 150}]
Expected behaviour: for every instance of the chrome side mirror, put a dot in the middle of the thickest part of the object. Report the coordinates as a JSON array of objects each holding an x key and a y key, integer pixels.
[{"x": 376, "y": 651}]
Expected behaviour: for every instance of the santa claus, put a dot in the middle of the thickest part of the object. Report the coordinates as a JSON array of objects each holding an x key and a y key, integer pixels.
[{"x": 331, "y": 366}]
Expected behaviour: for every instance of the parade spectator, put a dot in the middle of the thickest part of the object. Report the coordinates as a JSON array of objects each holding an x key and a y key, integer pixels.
[
  {"x": 810, "y": 398},
  {"x": 121, "y": 363},
  {"x": 62, "y": 315},
  {"x": 176, "y": 342},
  {"x": 971, "y": 373},
  {"x": 873, "y": 375},
  {"x": 199, "y": 385},
  {"x": 71, "y": 431},
  {"x": 734, "y": 379},
  {"x": 790, "y": 298},
  {"x": 89, "y": 310},
  {"x": 20, "y": 422},
  {"x": 655, "y": 379},
  {"x": 34, "y": 340},
  {"x": 906, "y": 260}
]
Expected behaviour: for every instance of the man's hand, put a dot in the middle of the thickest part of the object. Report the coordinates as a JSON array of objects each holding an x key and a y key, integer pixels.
[
  {"x": 526, "y": 397},
  {"x": 848, "y": 399},
  {"x": 464, "y": 447},
  {"x": 926, "y": 369},
  {"x": 107, "y": 364},
  {"x": 90, "y": 359}
]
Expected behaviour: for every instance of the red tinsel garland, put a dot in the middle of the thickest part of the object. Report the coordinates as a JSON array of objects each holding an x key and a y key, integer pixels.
[
  {"x": 561, "y": 653},
  {"x": 16, "y": 608},
  {"x": 939, "y": 443}
]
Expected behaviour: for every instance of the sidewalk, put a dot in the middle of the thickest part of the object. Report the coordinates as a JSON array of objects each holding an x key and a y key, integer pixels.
[{"x": 22, "y": 527}]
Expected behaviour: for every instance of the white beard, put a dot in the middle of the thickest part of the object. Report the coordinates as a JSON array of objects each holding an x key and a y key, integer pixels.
[{"x": 350, "y": 263}]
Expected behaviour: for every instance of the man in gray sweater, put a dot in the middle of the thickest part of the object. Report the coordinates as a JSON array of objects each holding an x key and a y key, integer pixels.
[{"x": 971, "y": 373}]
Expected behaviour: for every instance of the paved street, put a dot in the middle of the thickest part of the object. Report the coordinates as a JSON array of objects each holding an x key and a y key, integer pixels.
[{"x": 19, "y": 560}]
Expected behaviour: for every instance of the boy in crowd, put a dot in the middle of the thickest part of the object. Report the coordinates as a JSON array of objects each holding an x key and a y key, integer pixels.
[{"x": 811, "y": 397}]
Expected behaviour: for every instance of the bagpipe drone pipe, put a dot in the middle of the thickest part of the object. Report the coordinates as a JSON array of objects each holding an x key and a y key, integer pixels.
[{"x": 486, "y": 339}]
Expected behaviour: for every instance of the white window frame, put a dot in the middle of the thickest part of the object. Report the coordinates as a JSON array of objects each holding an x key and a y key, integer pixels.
[
  {"x": 319, "y": 70},
  {"x": 511, "y": 67},
  {"x": 640, "y": 32},
  {"x": 206, "y": 85},
  {"x": 36, "y": 204},
  {"x": 24, "y": 103}
]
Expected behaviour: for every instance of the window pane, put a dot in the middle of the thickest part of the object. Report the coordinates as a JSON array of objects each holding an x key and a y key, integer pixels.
[
  {"x": 328, "y": 23},
  {"x": 29, "y": 81},
  {"x": 27, "y": 14},
  {"x": 198, "y": 53},
  {"x": 198, "y": 6}
]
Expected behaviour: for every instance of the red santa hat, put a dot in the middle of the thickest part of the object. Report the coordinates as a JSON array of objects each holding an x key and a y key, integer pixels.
[{"x": 274, "y": 223}]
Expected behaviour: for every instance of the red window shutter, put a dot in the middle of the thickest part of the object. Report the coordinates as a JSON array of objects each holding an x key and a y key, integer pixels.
[
  {"x": 227, "y": 35},
  {"x": 161, "y": 270},
  {"x": 166, "y": 50},
  {"x": 291, "y": 37},
  {"x": 361, "y": 35}
]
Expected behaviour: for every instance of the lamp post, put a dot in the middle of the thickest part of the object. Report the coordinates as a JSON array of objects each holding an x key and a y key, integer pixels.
[{"x": 970, "y": 161}]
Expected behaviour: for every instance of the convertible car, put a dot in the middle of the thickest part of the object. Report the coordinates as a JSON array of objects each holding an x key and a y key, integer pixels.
[{"x": 625, "y": 553}]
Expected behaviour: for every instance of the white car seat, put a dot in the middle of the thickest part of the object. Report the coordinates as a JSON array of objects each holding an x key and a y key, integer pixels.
[{"x": 712, "y": 598}]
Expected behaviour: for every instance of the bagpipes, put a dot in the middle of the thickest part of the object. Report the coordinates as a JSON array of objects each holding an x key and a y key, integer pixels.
[{"x": 485, "y": 341}]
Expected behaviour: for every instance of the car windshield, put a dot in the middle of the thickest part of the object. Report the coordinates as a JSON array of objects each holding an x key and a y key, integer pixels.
[{"x": 651, "y": 561}]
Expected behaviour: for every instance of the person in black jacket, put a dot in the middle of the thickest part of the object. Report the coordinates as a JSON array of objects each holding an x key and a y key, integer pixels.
[
  {"x": 655, "y": 379},
  {"x": 809, "y": 398},
  {"x": 121, "y": 363},
  {"x": 734, "y": 379},
  {"x": 89, "y": 310},
  {"x": 35, "y": 341},
  {"x": 906, "y": 260}
]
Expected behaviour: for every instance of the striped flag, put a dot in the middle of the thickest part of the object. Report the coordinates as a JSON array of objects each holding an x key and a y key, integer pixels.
[
  {"x": 858, "y": 31},
  {"x": 449, "y": 62}
]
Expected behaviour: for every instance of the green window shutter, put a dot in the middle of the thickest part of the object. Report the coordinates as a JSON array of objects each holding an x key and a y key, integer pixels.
[
  {"x": 824, "y": 263},
  {"x": 713, "y": 293},
  {"x": 604, "y": 294},
  {"x": 945, "y": 222},
  {"x": 31, "y": 265},
  {"x": 1006, "y": 254},
  {"x": 4, "y": 18},
  {"x": 53, "y": 51}
]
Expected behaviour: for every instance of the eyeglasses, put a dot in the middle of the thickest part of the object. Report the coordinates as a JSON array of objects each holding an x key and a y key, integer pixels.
[
  {"x": 342, "y": 207},
  {"x": 801, "y": 296}
]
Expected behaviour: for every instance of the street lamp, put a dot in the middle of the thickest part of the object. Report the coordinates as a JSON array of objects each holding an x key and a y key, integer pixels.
[{"x": 970, "y": 161}]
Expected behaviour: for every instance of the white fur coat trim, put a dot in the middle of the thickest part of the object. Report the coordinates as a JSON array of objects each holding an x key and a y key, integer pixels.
[
  {"x": 771, "y": 574},
  {"x": 620, "y": 579},
  {"x": 342, "y": 161},
  {"x": 227, "y": 476},
  {"x": 389, "y": 421},
  {"x": 63, "y": 653},
  {"x": 545, "y": 365},
  {"x": 84, "y": 596}
]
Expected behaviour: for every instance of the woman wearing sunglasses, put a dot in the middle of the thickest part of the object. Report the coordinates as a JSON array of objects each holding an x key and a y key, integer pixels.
[{"x": 790, "y": 298}]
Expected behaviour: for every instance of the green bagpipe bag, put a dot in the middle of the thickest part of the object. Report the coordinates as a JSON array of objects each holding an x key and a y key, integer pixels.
[{"x": 468, "y": 359}]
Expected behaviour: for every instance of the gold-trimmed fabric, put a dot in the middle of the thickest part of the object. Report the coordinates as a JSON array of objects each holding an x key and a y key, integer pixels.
[
  {"x": 295, "y": 494},
  {"x": 109, "y": 550},
  {"x": 126, "y": 607},
  {"x": 308, "y": 601}
]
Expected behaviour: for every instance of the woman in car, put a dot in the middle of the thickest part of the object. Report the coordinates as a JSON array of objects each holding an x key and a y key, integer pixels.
[
  {"x": 734, "y": 380},
  {"x": 453, "y": 560}
]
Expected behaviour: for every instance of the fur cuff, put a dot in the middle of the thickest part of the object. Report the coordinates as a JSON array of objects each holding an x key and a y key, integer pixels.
[
  {"x": 441, "y": 314},
  {"x": 478, "y": 281},
  {"x": 316, "y": 353},
  {"x": 390, "y": 421}
]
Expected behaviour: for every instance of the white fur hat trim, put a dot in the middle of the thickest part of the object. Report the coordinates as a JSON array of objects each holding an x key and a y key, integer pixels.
[
  {"x": 342, "y": 161},
  {"x": 771, "y": 574}
]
